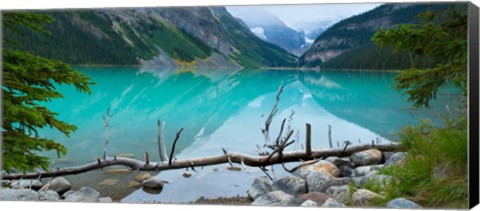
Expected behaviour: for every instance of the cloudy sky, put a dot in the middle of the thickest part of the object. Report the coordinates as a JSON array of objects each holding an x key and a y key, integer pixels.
[{"x": 304, "y": 17}]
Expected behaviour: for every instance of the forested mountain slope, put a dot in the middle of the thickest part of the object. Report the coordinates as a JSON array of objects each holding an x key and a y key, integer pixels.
[
  {"x": 347, "y": 44},
  {"x": 157, "y": 36}
]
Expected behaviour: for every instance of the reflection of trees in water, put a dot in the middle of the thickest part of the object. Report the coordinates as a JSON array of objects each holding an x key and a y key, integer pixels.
[{"x": 364, "y": 98}]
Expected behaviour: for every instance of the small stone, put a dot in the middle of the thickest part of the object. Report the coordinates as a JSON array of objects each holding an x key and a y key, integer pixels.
[
  {"x": 318, "y": 166},
  {"x": 332, "y": 203},
  {"x": 292, "y": 185},
  {"x": 216, "y": 169},
  {"x": 27, "y": 184},
  {"x": 59, "y": 184},
  {"x": 125, "y": 155},
  {"x": 133, "y": 184},
  {"x": 396, "y": 159},
  {"x": 309, "y": 203},
  {"x": 49, "y": 195},
  {"x": 186, "y": 174},
  {"x": 339, "y": 193},
  {"x": 108, "y": 182},
  {"x": 105, "y": 200},
  {"x": 67, "y": 193},
  {"x": 364, "y": 170},
  {"x": 260, "y": 186},
  {"x": 316, "y": 197},
  {"x": 19, "y": 195},
  {"x": 234, "y": 168},
  {"x": 362, "y": 197},
  {"x": 366, "y": 157},
  {"x": 143, "y": 176},
  {"x": 117, "y": 171},
  {"x": 154, "y": 183},
  {"x": 346, "y": 171},
  {"x": 85, "y": 194},
  {"x": 63, "y": 161},
  {"x": 402, "y": 203},
  {"x": 274, "y": 198}
]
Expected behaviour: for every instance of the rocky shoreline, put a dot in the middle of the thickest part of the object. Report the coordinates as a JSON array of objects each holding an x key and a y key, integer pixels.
[{"x": 331, "y": 182}]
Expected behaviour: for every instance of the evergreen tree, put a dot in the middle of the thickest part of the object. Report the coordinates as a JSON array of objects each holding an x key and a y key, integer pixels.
[
  {"x": 28, "y": 81},
  {"x": 442, "y": 36}
]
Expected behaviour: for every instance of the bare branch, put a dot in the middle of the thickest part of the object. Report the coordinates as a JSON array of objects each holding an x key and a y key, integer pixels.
[
  {"x": 273, "y": 112},
  {"x": 173, "y": 146}
]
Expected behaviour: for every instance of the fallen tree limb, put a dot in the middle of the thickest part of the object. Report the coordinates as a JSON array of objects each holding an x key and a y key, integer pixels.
[{"x": 253, "y": 161}]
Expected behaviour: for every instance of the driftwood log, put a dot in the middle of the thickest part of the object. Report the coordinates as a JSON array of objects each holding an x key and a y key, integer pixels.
[{"x": 233, "y": 157}]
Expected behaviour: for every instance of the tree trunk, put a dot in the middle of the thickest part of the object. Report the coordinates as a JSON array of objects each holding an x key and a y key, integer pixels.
[{"x": 253, "y": 161}]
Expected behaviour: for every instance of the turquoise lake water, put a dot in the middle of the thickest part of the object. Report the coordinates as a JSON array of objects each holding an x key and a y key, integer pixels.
[{"x": 226, "y": 108}]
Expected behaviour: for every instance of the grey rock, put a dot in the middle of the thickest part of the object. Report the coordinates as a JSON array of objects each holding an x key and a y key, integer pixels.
[
  {"x": 18, "y": 195},
  {"x": 260, "y": 186},
  {"x": 105, "y": 200},
  {"x": 27, "y": 184},
  {"x": 292, "y": 185},
  {"x": 59, "y": 184},
  {"x": 402, "y": 203},
  {"x": 64, "y": 195},
  {"x": 395, "y": 159},
  {"x": 333, "y": 203},
  {"x": 316, "y": 197},
  {"x": 366, "y": 157},
  {"x": 321, "y": 181},
  {"x": 339, "y": 193},
  {"x": 380, "y": 179},
  {"x": 274, "y": 198},
  {"x": 387, "y": 155},
  {"x": 346, "y": 171},
  {"x": 49, "y": 195},
  {"x": 362, "y": 197},
  {"x": 309, "y": 203},
  {"x": 85, "y": 194},
  {"x": 154, "y": 183},
  {"x": 364, "y": 170},
  {"x": 339, "y": 162}
]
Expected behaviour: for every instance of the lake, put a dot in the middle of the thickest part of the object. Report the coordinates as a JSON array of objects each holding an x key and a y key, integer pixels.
[{"x": 223, "y": 108}]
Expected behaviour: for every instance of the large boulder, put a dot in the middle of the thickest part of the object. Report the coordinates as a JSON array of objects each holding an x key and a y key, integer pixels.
[
  {"x": 59, "y": 185},
  {"x": 260, "y": 186},
  {"x": 339, "y": 193},
  {"x": 321, "y": 181},
  {"x": 292, "y": 185},
  {"x": 317, "y": 197},
  {"x": 366, "y": 157},
  {"x": 34, "y": 184},
  {"x": 19, "y": 195},
  {"x": 85, "y": 194},
  {"x": 333, "y": 203},
  {"x": 362, "y": 197},
  {"x": 275, "y": 198},
  {"x": 402, "y": 203},
  {"x": 316, "y": 167},
  {"x": 49, "y": 195}
]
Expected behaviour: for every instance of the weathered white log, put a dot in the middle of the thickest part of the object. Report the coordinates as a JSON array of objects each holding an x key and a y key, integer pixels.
[{"x": 253, "y": 161}]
